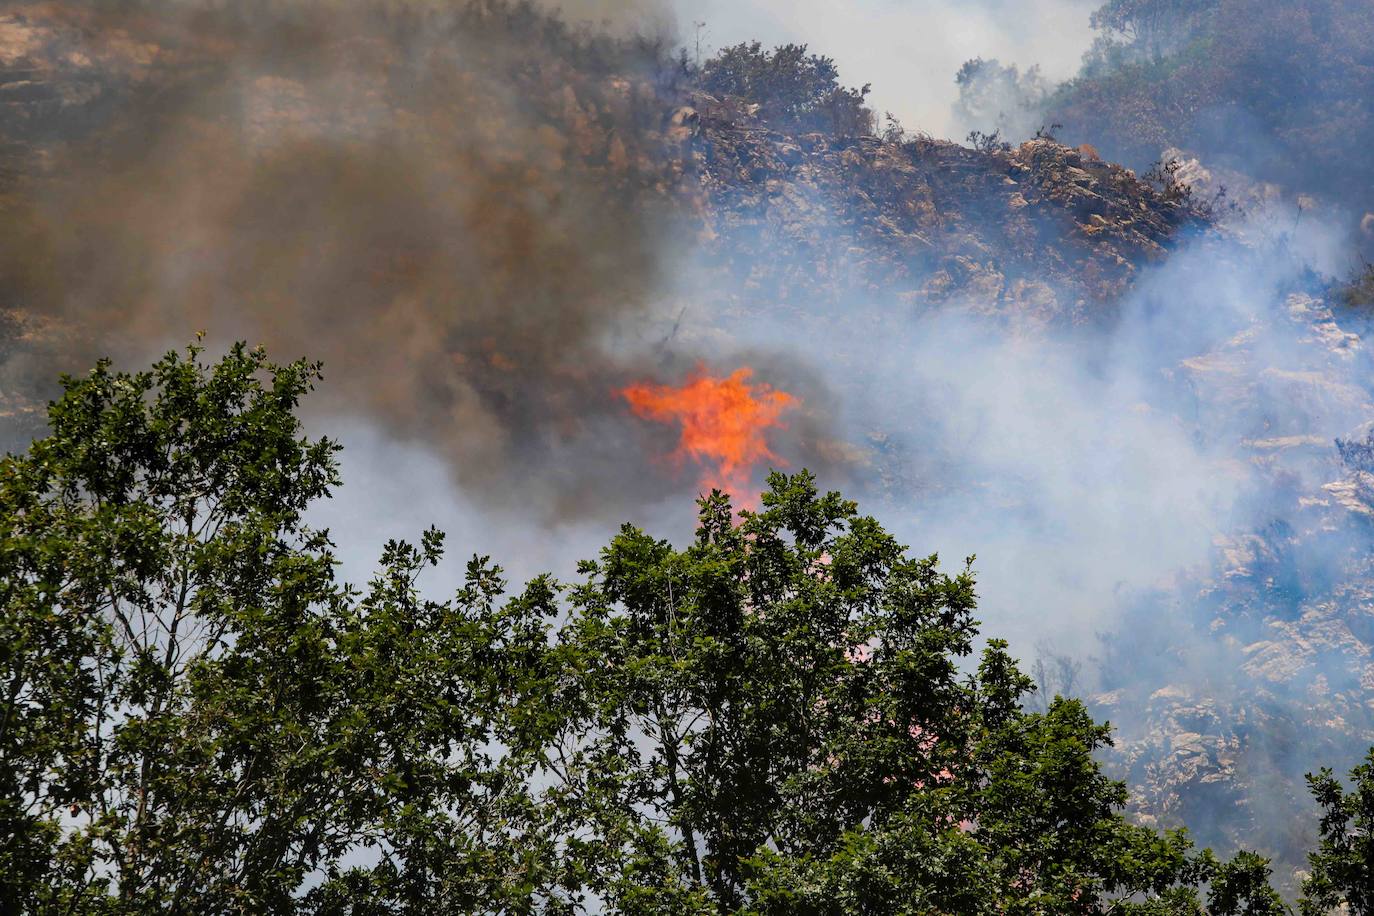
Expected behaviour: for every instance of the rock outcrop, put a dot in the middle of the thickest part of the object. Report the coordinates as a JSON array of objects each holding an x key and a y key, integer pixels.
[{"x": 1040, "y": 231}]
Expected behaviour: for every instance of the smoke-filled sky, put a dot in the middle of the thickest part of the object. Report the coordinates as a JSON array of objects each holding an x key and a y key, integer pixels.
[{"x": 909, "y": 50}]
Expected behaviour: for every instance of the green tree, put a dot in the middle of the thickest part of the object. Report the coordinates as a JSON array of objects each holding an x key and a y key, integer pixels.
[
  {"x": 783, "y": 717},
  {"x": 1152, "y": 27},
  {"x": 1241, "y": 887},
  {"x": 1343, "y": 864},
  {"x": 197, "y": 717},
  {"x": 794, "y": 90},
  {"x": 1280, "y": 91},
  {"x": 778, "y": 719}
]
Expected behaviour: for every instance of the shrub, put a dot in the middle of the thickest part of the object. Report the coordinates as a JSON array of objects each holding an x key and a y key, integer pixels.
[{"x": 795, "y": 91}]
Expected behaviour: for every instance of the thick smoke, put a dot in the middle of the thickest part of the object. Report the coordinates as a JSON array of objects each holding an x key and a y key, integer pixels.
[
  {"x": 1084, "y": 464},
  {"x": 625, "y": 17},
  {"x": 461, "y": 209},
  {"x": 995, "y": 97}
]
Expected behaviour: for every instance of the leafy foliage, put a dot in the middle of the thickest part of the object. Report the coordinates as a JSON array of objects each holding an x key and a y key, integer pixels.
[
  {"x": 1241, "y": 887},
  {"x": 1149, "y": 28},
  {"x": 782, "y": 717},
  {"x": 196, "y": 716},
  {"x": 1280, "y": 90},
  {"x": 1343, "y": 864},
  {"x": 795, "y": 91}
]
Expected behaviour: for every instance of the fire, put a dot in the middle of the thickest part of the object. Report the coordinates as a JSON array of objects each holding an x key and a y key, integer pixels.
[{"x": 724, "y": 424}]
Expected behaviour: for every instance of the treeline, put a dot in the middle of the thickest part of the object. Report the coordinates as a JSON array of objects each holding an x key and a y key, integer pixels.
[
  {"x": 197, "y": 716},
  {"x": 1279, "y": 91}
]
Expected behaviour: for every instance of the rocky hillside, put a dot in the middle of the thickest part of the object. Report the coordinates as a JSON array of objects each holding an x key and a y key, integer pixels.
[
  {"x": 1241, "y": 677},
  {"x": 1040, "y": 226},
  {"x": 1041, "y": 230},
  {"x": 112, "y": 120}
]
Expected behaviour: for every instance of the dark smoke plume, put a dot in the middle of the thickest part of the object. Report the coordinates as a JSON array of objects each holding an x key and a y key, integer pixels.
[{"x": 461, "y": 210}]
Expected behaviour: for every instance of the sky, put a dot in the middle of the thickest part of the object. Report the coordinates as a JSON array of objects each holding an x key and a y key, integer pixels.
[{"x": 909, "y": 50}]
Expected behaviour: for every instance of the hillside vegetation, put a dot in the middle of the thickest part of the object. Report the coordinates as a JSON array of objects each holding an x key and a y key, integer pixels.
[{"x": 1279, "y": 91}]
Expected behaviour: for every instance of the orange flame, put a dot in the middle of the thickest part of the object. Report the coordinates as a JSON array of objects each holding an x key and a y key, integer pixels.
[{"x": 724, "y": 422}]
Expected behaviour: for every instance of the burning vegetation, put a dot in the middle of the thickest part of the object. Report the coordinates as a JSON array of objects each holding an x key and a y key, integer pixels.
[{"x": 724, "y": 425}]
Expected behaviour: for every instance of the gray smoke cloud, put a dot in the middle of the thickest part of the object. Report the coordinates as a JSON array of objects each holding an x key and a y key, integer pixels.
[
  {"x": 910, "y": 50},
  {"x": 463, "y": 210},
  {"x": 1150, "y": 499},
  {"x": 1085, "y": 466}
]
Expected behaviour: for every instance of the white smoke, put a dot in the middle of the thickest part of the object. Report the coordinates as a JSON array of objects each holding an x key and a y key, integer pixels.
[
  {"x": 910, "y": 50},
  {"x": 1084, "y": 467}
]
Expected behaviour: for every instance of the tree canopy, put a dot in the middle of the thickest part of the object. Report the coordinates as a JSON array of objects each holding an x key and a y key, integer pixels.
[
  {"x": 1278, "y": 91},
  {"x": 795, "y": 90},
  {"x": 790, "y": 714}
]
